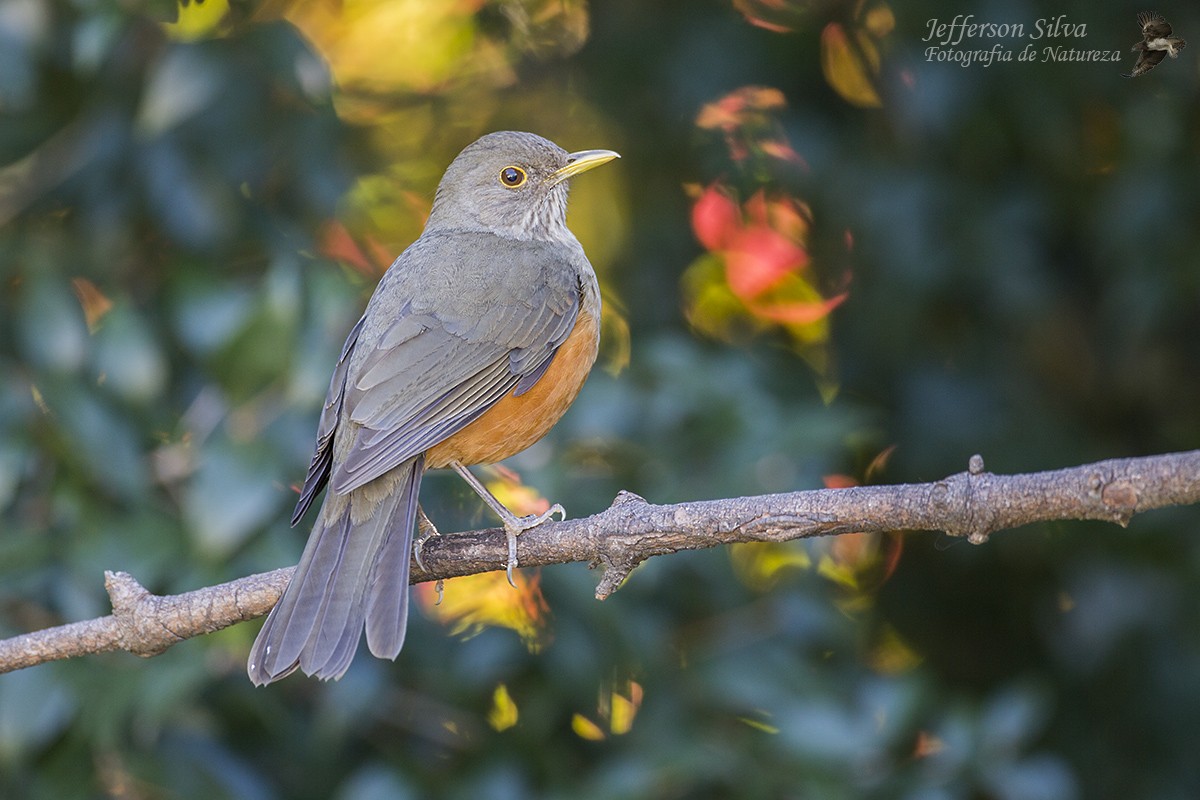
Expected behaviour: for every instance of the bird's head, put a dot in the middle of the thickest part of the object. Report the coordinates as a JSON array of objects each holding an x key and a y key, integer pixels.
[{"x": 510, "y": 183}]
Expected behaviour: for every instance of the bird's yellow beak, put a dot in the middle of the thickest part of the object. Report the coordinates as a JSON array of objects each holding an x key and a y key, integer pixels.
[{"x": 581, "y": 162}]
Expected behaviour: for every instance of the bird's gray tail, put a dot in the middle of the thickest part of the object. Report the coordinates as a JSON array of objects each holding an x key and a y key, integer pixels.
[{"x": 353, "y": 574}]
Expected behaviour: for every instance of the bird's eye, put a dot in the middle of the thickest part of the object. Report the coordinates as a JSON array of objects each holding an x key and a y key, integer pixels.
[{"x": 513, "y": 177}]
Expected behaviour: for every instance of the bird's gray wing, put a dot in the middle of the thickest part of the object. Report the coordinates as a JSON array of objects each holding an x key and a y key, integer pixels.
[
  {"x": 1154, "y": 26},
  {"x": 439, "y": 365},
  {"x": 1147, "y": 60},
  {"x": 318, "y": 470}
]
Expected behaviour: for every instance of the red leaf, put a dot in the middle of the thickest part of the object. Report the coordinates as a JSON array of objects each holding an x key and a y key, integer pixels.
[
  {"x": 799, "y": 312},
  {"x": 838, "y": 481},
  {"x": 757, "y": 258},
  {"x": 715, "y": 218}
]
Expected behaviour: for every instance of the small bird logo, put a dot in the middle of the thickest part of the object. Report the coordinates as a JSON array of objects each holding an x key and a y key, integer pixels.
[{"x": 1157, "y": 43}]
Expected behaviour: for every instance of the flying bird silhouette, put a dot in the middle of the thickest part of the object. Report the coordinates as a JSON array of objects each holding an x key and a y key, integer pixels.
[{"x": 1157, "y": 43}]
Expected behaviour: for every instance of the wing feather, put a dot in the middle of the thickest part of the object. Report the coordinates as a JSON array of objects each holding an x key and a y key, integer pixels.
[
  {"x": 322, "y": 460},
  {"x": 1154, "y": 25},
  {"x": 435, "y": 367}
]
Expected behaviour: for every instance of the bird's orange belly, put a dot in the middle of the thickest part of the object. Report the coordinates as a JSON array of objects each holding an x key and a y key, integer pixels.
[{"x": 515, "y": 422}]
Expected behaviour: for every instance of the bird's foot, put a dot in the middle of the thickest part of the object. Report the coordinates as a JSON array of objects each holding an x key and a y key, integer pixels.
[
  {"x": 514, "y": 526},
  {"x": 425, "y": 531}
]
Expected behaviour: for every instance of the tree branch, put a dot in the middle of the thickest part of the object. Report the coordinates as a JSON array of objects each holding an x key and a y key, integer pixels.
[{"x": 973, "y": 504}]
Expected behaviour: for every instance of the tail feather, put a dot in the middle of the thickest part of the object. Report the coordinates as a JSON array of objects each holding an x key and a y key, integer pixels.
[
  {"x": 319, "y": 620},
  {"x": 387, "y": 589},
  {"x": 294, "y": 620},
  {"x": 331, "y": 658},
  {"x": 339, "y": 612}
]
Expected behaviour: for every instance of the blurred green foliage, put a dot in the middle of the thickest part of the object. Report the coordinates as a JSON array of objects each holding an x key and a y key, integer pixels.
[{"x": 1024, "y": 278}]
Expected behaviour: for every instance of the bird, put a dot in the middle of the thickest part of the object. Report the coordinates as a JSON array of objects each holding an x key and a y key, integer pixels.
[
  {"x": 474, "y": 343},
  {"x": 1157, "y": 43}
]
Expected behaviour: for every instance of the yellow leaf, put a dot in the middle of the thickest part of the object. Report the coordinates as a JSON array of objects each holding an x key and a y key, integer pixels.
[
  {"x": 198, "y": 19},
  {"x": 842, "y": 574},
  {"x": 586, "y": 729},
  {"x": 892, "y": 655},
  {"x": 761, "y": 564},
  {"x": 504, "y": 711},
  {"x": 879, "y": 21},
  {"x": 475, "y": 602},
  {"x": 389, "y": 45},
  {"x": 515, "y": 495},
  {"x": 709, "y": 305},
  {"x": 615, "y": 341},
  {"x": 850, "y": 65},
  {"x": 758, "y": 725},
  {"x": 625, "y": 709}
]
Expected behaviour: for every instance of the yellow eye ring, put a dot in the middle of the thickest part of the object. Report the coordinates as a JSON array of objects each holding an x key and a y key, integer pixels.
[{"x": 513, "y": 177}]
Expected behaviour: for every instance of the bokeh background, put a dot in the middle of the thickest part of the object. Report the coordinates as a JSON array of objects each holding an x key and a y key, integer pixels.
[{"x": 827, "y": 260}]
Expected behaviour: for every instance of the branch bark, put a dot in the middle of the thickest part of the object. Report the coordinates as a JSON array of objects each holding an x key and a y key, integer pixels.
[{"x": 973, "y": 504}]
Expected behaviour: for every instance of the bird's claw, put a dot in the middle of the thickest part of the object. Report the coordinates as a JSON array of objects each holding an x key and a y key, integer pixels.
[
  {"x": 425, "y": 531},
  {"x": 518, "y": 525}
]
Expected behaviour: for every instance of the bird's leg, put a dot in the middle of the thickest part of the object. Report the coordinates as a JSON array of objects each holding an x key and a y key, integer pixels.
[
  {"x": 426, "y": 531},
  {"x": 513, "y": 525}
]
